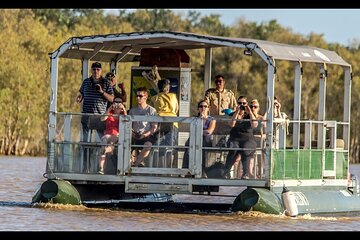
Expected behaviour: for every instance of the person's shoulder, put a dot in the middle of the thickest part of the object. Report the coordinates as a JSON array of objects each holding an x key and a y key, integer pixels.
[
  {"x": 230, "y": 91},
  {"x": 210, "y": 90}
]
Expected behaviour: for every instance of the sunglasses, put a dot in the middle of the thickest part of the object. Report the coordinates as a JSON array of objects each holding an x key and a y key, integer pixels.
[
  {"x": 139, "y": 96},
  {"x": 117, "y": 101},
  {"x": 203, "y": 106},
  {"x": 96, "y": 69},
  {"x": 252, "y": 106},
  {"x": 218, "y": 81},
  {"x": 242, "y": 103}
]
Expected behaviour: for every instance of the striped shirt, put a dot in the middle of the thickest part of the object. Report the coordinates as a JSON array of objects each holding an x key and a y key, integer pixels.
[{"x": 94, "y": 101}]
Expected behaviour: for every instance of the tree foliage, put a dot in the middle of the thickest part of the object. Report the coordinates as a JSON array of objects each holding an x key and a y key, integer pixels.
[{"x": 29, "y": 35}]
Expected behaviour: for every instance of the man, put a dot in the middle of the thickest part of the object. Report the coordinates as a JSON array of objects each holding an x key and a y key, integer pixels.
[
  {"x": 166, "y": 104},
  {"x": 94, "y": 94},
  {"x": 220, "y": 98},
  {"x": 143, "y": 132}
]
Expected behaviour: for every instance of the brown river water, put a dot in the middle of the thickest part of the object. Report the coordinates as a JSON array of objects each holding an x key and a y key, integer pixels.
[{"x": 21, "y": 176}]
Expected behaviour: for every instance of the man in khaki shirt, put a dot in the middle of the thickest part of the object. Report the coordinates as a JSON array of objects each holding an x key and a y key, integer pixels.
[{"x": 220, "y": 98}]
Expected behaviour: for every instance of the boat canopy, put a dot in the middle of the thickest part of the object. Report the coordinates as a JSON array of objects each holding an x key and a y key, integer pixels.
[{"x": 126, "y": 47}]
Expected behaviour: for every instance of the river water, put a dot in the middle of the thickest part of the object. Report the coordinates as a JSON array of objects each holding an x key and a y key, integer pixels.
[{"x": 20, "y": 177}]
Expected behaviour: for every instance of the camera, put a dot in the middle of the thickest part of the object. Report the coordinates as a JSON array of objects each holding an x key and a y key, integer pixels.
[
  {"x": 242, "y": 107},
  {"x": 97, "y": 87}
]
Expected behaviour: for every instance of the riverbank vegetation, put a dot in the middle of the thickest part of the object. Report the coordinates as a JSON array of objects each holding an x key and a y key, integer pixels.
[{"x": 28, "y": 35}]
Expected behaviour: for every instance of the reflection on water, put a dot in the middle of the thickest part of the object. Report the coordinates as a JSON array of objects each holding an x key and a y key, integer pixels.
[{"x": 21, "y": 176}]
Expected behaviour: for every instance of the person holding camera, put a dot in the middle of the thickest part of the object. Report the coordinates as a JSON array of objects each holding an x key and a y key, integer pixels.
[
  {"x": 94, "y": 93},
  {"x": 111, "y": 133},
  {"x": 111, "y": 77},
  {"x": 241, "y": 136}
]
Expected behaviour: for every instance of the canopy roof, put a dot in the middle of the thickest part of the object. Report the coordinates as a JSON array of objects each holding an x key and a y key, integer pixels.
[{"x": 126, "y": 47}]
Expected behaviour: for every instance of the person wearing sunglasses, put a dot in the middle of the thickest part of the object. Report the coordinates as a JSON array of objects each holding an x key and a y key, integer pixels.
[
  {"x": 243, "y": 121},
  {"x": 111, "y": 77},
  {"x": 209, "y": 124},
  {"x": 260, "y": 136},
  {"x": 111, "y": 133},
  {"x": 220, "y": 98},
  {"x": 144, "y": 133},
  {"x": 95, "y": 92}
]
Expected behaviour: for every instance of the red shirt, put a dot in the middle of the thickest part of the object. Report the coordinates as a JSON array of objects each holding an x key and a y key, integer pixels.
[{"x": 112, "y": 125}]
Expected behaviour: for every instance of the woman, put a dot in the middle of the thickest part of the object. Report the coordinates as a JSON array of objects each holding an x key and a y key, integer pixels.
[
  {"x": 111, "y": 132},
  {"x": 241, "y": 136},
  {"x": 260, "y": 136},
  {"x": 209, "y": 124}
]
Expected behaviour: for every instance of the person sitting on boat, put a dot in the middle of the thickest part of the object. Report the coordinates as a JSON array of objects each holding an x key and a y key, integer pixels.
[
  {"x": 111, "y": 132},
  {"x": 144, "y": 133},
  {"x": 241, "y": 136},
  {"x": 209, "y": 124},
  {"x": 111, "y": 77},
  {"x": 166, "y": 104}
]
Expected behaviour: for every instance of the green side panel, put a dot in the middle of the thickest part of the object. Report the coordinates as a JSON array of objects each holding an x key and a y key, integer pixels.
[
  {"x": 296, "y": 164},
  {"x": 59, "y": 191},
  {"x": 306, "y": 164},
  {"x": 258, "y": 199}
]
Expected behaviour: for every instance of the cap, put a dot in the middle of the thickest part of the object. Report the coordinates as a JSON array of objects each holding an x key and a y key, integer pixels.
[{"x": 96, "y": 65}]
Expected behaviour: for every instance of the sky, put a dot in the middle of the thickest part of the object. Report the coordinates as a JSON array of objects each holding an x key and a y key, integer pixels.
[{"x": 336, "y": 25}]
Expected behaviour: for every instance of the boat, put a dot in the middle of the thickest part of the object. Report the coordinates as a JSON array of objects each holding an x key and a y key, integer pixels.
[{"x": 305, "y": 162}]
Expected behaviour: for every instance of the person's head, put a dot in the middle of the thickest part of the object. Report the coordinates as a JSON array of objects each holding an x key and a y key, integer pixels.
[
  {"x": 242, "y": 102},
  {"x": 164, "y": 85},
  {"x": 96, "y": 70},
  {"x": 111, "y": 77},
  {"x": 142, "y": 94},
  {"x": 219, "y": 82},
  {"x": 255, "y": 106},
  {"x": 117, "y": 102},
  {"x": 203, "y": 107}
]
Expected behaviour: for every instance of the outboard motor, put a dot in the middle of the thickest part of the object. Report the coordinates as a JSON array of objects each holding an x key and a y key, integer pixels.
[{"x": 289, "y": 202}]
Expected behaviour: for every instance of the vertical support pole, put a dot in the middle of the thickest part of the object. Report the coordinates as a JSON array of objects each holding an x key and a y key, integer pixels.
[
  {"x": 347, "y": 107},
  {"x": 207, "y": 75},
  {"x": 113, "y": 66},
  {"x": 322, "y": 100},
  {"x": 297, "y": 104},
  {"x": 269, "y": 117},
  {"x": 54, "y": 64},
  {"x": 68, "y": 157}
]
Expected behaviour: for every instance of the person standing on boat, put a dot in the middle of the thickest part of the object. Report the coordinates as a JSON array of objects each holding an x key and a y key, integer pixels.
[
  {"x": 143, "y": 132},
  {"x": 241, "y": 136},
  {"x": 209, "y": 124},
  {"x": 111, "y": 133},
  {"x": 166, "y": 104},
  {"x": 220, "y": 98},
  {"x": 111, "y": 77},
  {"x": 94, "y": 93}
]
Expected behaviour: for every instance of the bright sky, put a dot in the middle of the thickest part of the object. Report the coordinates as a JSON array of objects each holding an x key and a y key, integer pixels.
[{"x": 337, "y": 25}]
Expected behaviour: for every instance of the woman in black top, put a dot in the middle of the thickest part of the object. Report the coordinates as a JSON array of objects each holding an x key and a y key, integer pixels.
[{"x": 241, "y": 136}]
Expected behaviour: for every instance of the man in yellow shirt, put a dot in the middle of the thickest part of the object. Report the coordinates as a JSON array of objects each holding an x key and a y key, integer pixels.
[
  {"x": 220, "y": 98},
  {"x": 166, "y": 104}
]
